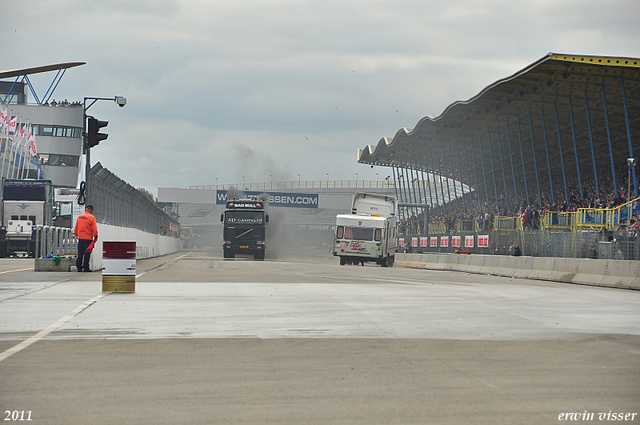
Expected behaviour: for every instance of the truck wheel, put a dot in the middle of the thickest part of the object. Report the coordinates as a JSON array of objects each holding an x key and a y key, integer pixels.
[
  {"x": 258, "y": 255},
  {"x": 343, "y": 261},
  {"x": 391, "y": 260},
  {"x": 227, "y": 254}
]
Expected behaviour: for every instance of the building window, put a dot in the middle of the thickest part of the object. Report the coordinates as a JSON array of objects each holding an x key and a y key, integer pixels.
[
  {"x": 59, "y": 160},
  {"x": 57, "y": 131}
]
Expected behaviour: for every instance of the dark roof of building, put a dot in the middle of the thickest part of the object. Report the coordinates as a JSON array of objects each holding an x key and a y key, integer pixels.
[
  {"x": 554, "y": 99},
  {"x": 39, "y": 69}
]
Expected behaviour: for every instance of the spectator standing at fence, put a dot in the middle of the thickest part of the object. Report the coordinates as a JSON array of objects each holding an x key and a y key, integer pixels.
[
  {"x": 516, "y": 251},
  {"x": 86, "y": 231}
]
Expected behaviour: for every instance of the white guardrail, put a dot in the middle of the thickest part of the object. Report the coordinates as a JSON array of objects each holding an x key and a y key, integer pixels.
[{"x": 56, "y": 241}]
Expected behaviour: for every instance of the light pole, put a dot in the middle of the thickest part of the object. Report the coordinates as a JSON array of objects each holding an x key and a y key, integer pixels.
[
  {"x": 121, "y": 101},
  {"x": 298, "y": 180},
  {"x": 216, "y": 183},
  {"x": 271, "y": 180},
  {"x": 242, "y": 182},
  {"x": 327, "y": 180}
]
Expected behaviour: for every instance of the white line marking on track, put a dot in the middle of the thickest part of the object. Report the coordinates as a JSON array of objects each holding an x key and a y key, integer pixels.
[
  {"x": 43, "y": 333},
  {"x": 19, "y": 270},
  {"x": 37, "y": 337},
  {"x": 160, "y": 265}
]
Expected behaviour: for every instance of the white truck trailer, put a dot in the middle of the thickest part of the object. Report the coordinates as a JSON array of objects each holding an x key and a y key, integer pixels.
[
  {"x": 369, "y": 232},
  {"x": 26, "y": 205}
]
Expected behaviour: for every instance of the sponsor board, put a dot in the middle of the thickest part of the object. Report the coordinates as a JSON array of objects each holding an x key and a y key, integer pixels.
[
  {"x": 277, "y": 199},
  {"x": 468, "y": 241}
]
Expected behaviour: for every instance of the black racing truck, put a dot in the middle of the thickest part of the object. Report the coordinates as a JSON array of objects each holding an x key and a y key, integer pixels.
[{"x": 244, "y": 228}]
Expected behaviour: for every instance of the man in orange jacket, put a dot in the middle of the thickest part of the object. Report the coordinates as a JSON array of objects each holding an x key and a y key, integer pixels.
[{"x": 86, "y": 231}]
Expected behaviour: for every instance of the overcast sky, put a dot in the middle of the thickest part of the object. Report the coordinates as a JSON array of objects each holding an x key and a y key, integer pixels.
[{"x": 233, "y": 88}]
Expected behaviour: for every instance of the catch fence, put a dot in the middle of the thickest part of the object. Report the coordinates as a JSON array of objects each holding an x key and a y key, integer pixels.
[
  {"x": 535, "y": 243},
  {"x": 117, "y": 203}
]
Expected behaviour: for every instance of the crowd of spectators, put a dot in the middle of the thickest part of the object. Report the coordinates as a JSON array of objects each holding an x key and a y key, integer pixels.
[
  {"x": 65, "y": 102},
  {"x": 473, "y": 206}
]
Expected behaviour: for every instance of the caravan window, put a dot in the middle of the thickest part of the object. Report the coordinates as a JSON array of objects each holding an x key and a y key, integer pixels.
[
  {"x": 359, "y": 233},
  {"x": 340, "y": 232},
  {"x": 378, "y": 235}
]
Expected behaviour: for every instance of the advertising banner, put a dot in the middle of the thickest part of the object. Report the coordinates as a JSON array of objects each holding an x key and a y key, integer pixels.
[
  {"x": 444, "y": 241},
  {"x": 468, "y": 241},
  {"x": 483, "y": 241},
  {"x": 414, "y": 242},
  {"x": 277, "y": 199},
  {"x": 424, "y": 241},
  {"x": 455, "y": 241},
  {"x": 434, "y": 242}
]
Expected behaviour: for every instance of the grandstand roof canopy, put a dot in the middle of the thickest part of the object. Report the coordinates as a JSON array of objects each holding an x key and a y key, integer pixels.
[
  {"x": 555, "y": 101},
  {"x": 39, "y": 69}
]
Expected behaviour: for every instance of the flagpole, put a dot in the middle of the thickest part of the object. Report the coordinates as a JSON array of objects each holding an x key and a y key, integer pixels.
[
  {"x": 20, "y": 160},
  {"x": 13, "y": 160},
  {"x": 5, "y": 131},
  {"x": 25, "y": 152},
  {"x": 16, "y": 161},
  {"x": 4, "y": 153},
  {"x": 27, "y": 156},
  {"x": 5, "y": 143}
]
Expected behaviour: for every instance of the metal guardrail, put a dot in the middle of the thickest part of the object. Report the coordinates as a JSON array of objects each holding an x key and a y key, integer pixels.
[
  {"x": 622, "y": 212},
  {"x": 55, "y": 241},
  {"x": 563, "y": 221},
  {"x": 466, "y": 226},
  {"x": 437, "y": 229},
  {"x": 507, "y": 223},
  {"x": 591, "y": 218}
]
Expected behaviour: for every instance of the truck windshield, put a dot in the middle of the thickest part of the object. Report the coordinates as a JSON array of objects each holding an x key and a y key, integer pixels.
[
  {"x": 244, "y": 217},
  {"x": 24, "y": 193}
]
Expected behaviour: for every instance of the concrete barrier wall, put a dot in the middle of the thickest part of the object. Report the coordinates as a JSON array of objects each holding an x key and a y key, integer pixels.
[
  {"x": 585, "y": 271},
  {"x": 147, "y": 245}
]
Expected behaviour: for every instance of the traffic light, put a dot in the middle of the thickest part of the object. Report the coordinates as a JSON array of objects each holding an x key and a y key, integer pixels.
[{"x": 93, "y": 137}]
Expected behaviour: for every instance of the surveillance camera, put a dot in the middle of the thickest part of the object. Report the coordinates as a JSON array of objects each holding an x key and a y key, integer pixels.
[
  {"x": 121, "y": 101},
  {"x": 632, "y": 162}
]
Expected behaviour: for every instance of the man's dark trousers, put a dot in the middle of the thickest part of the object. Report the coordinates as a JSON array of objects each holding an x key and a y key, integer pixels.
[{"x": 82, "y": 262}]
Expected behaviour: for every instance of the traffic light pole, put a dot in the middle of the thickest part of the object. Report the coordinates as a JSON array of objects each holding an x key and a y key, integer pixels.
[{"x": 121, "y": 101}]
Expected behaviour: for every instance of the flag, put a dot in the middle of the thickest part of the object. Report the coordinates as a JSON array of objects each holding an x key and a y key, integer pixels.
[
  {"x": 19, "y": 135},
  {"x": 3, "y": 120},
  {"x": 32, "y": 144},
  {"x": 90, "y": 247},
  {"x": 13, "y": 123}
]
